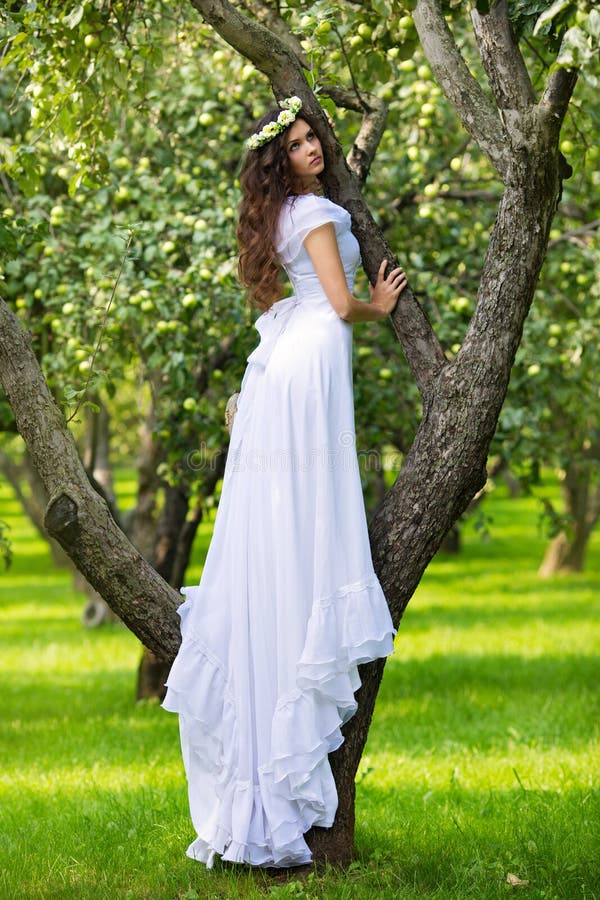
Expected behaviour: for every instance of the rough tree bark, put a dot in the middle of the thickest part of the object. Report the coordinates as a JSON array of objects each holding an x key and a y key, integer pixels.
[{"x": 445, "y": 467}]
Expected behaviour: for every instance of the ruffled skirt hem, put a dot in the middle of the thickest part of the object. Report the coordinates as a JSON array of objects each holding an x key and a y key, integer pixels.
[{"x": 263, "y": 824}]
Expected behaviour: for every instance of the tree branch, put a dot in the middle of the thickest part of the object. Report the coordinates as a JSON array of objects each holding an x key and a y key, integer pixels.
[
  {"x": 576, "y": 234},
  {"x": 372, "y": 108},
  {"x": 502, "y": 59},
  {"x": 272, "y": 56},
  {"x": 77, "y": 516},
  {"x": 367, "y": 140},
  {"x": 477, "y": 114},
  {"x": 557, "y": 94}
]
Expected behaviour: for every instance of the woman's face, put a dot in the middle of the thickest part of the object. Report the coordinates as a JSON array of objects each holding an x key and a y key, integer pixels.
[{"x": 304, "y": 152}]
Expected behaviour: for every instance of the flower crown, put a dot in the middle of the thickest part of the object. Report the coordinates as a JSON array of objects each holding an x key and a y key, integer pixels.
[{"x": 290, "y": 109}]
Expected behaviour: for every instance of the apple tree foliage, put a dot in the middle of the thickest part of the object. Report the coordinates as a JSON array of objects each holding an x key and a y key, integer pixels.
[{"x": 125, "y": 122}]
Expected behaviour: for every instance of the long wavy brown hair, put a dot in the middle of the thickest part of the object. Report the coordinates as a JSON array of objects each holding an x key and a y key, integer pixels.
[{"x": 266, "y": 181}]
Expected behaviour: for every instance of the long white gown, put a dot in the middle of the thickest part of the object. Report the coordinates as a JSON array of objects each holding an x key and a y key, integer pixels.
[{"x": 288, "y": 603}]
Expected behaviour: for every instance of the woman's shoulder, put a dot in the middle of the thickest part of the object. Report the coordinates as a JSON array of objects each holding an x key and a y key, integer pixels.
[
  {"x": 301, "y": 207},
  {"x": 308, "y": 201},
  {"x": 300, "y": 214}
]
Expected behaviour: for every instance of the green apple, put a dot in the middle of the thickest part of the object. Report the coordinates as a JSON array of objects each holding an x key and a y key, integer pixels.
[{"x": 122, "y": 194}]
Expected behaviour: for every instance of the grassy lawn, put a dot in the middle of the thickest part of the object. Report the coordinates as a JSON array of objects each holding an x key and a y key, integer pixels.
[{"x": 483, "y": 758}]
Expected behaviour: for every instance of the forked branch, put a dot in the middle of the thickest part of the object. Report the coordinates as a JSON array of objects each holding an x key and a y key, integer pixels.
[
  {"x": 502, "y": 58},
  {"x": 476, "y": 112}
]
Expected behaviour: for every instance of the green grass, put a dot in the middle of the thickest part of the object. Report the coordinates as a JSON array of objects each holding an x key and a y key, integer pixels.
[{"x": 482, "y": 758}]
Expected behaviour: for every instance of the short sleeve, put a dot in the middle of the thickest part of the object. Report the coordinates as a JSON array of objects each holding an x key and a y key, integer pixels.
[{"x": 301, "y": 215}]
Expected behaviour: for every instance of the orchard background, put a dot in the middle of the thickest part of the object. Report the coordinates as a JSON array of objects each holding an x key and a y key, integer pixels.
[{"x": 121, "y": 132}]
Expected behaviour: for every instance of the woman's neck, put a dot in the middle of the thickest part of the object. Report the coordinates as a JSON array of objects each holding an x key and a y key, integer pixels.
[{"x": 310, "y": 187}]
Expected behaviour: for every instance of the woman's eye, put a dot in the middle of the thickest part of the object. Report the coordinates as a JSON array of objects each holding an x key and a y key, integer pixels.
[{"x": 293, "y": 146}]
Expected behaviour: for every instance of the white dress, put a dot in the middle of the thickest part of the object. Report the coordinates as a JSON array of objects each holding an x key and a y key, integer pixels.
[{"x": 288, "y": 603}]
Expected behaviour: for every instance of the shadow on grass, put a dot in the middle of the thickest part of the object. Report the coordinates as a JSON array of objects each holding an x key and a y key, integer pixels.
[
  {"x": 448, "y": 674},
  {"x": 43, "y": 631},
  {"x": 479, "y": 701},
  {"x": 487, "y": 701},
  {"x": 470, "y": 616}
]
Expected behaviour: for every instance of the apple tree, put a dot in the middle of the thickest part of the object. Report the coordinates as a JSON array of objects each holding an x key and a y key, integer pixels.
[{"x": 510, "y": 108}]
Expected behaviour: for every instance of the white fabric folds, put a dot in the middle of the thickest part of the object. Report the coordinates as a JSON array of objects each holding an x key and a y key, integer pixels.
[
  {"x": 301, "y": 216},
  {"x": 288, "y": 604}
]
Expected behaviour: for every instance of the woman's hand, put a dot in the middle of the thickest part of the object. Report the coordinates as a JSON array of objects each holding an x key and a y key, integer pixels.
[{"x": 387, "y": 290}]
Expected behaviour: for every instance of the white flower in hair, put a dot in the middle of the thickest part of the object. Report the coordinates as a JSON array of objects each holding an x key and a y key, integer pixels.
[{"x": 291, "y": 106}]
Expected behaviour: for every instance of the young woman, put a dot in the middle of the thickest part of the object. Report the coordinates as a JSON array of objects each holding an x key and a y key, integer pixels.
[{"x": 288, "y": 604}]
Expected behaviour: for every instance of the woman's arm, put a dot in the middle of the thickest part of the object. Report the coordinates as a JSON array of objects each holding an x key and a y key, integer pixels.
[{"x": 322, "y": 247}]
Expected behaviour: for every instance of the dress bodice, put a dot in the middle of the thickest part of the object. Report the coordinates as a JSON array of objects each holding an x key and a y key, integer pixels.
[{"x": 298, "y": 217}]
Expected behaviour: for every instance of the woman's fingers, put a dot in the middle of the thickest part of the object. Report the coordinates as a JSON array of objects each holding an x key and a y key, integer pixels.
[
  {"x": 394, "y": 275},
  {"x": 393, "y": 285}
]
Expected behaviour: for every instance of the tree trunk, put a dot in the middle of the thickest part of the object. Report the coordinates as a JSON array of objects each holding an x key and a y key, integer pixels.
[
  {"x": 96, "y": 459},
  {"x": 173, "y": 544},
  {"x": 152, "y": 672},
  {"x": 566, "y": 552},
  {"x": 33, "y": 503},
  {"x": 141, "y": 522}
]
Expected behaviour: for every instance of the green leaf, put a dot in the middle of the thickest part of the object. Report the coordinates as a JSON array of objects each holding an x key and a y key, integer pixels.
[
  {"x": 73, "y": 19},
  {"x": 593, "y": 23},
  {"x": 557, "y": 7},
  {"x": 574, "y": 49},
  {"x": 8, "y": 243}
]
